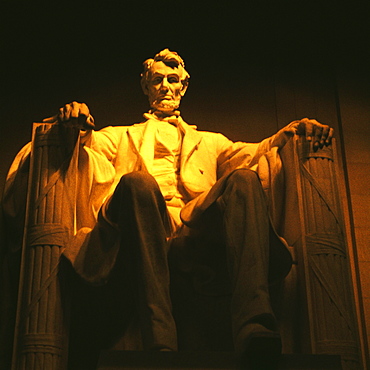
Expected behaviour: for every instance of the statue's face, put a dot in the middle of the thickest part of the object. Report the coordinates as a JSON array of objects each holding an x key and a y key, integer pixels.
[{"x": 164, "y": 87}]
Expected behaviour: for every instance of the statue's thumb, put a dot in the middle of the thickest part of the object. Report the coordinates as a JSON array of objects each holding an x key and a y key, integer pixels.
[{"x": 85, "y": 122}]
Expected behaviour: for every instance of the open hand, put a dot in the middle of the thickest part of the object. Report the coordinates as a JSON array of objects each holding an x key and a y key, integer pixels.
[{"x": 314, "y": 131}]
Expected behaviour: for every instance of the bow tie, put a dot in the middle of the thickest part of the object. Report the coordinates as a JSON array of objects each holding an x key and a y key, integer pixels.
[{"x": 160, "y": 116}]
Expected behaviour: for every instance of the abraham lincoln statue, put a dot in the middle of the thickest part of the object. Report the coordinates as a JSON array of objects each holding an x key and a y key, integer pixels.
[{"x": 142, "y": 187}]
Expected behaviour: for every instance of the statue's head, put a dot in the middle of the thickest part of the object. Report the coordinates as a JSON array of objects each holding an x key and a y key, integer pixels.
[{"x": 165, "y": 81}]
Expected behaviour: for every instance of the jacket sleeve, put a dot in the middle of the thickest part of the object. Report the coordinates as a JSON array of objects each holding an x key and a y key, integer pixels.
[
  {"x": 232, "y": 155},
  {"x": 96, "y": 172},
  {"x": 15, "y": 198}
]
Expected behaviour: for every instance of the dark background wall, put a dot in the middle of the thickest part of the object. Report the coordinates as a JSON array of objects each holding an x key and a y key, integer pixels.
[
  {"x": 53, "y": 54},
  {"x": 254, "y": 66}
]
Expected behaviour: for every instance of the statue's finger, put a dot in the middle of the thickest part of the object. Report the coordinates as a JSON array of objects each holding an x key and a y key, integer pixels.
[
  {"x": 61, "y": 115},
  {"x": 317, "y": 136},
  {"x": 67, "y": 112},
  {"x": 308, "y": 129},
  {"x": 330, "y": 136},
  {"x": 317, "y": 133},
  {"x": 324, "y": 135},
  {"x": 75, "y": 110},
  {"x": 84, "y": 110}
]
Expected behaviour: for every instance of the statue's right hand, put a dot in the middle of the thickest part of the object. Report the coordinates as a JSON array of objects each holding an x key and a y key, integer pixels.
[{"x": 73, "y": 115}]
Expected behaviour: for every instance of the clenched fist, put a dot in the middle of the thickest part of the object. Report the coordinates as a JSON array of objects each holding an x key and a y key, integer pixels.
[{"x": 74, "y": 115}]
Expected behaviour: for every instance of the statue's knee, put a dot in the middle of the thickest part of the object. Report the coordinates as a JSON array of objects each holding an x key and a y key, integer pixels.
[
  {"x": 137, "y": 179},
  {"x": 243, "y": 176},
  {"x": 137, "y": 184},
  {"x": 133, "y": 190}
]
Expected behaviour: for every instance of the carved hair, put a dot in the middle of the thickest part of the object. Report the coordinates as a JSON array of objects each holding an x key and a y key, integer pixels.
[{"x": 169, "y": 58}]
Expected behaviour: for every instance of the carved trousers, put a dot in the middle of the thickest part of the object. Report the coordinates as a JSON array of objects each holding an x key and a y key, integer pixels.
[{"x": 139, "y": 209}]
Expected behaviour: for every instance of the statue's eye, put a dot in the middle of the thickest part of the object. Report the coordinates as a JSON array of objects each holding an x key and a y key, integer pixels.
[
  {"x": 157, "y": 80},
  {"x": 173, "y": 80}
]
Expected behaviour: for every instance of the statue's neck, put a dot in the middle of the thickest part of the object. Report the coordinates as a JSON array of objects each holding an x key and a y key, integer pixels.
[{"x": 161, "y": 115}]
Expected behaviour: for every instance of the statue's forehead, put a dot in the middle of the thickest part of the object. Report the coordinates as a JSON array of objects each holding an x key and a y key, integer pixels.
[{"x": 164, "y": 69}]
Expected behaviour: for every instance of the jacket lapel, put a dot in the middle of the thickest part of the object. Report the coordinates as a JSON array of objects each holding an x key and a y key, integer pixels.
[
  {"x": 142, "y": 138},
  {"x": 190, "y": 141}
]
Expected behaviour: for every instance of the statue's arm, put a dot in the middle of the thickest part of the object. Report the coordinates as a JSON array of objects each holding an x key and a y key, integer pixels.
[
  {"x": 15, "y": 197},
  {"x": 233, "y": 155}
]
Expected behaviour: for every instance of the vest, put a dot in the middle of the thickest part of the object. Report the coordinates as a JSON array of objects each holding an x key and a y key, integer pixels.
[{"x": 166, "y": 167}]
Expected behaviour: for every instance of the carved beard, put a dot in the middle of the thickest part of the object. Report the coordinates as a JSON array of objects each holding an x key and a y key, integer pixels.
[{"x": 165, "y": 106}]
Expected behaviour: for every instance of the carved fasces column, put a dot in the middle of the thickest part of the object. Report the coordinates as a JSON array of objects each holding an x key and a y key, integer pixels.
[
  {"x": 41, "y": 337},
  {"x": 323, "y": 258}
]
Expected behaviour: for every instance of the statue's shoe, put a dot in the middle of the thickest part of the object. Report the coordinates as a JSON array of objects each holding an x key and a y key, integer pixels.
[{"x": 262, "y": 348}]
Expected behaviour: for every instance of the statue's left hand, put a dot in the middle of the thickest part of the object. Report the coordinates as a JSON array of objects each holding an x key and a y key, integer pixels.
[{"x": 314, "y": 131}]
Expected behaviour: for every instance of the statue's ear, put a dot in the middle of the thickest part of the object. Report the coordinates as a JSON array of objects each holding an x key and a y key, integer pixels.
[
  {"x": 144, "y": 86},
  {"x": 184, "y": 88}
]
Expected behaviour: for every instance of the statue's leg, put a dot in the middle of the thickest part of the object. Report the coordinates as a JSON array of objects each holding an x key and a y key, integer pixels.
[
  {"x": 246, "y": 226},
  {"x": 138, "y": 207}
]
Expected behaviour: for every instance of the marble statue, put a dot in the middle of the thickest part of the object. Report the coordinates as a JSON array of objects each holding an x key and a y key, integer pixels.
[{"x": 143, "y": 186}]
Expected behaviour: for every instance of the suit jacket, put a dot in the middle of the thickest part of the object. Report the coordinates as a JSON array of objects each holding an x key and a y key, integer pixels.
[
  {"x": 105, "y": 156},
  {"x": 205, "y": 157}
]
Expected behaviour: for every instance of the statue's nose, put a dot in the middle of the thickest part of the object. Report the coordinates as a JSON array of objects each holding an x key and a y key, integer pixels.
[{"x": 164, "y": 84}]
